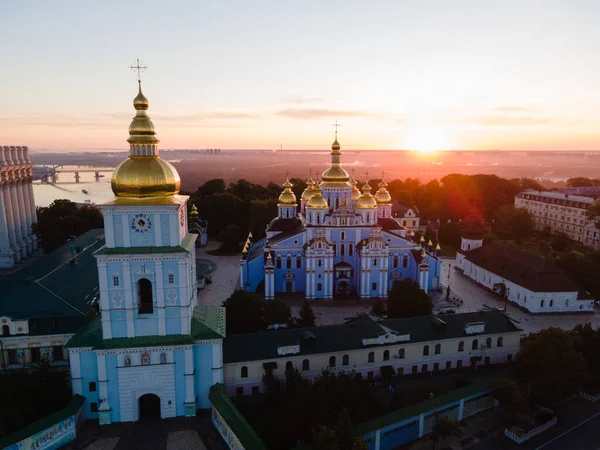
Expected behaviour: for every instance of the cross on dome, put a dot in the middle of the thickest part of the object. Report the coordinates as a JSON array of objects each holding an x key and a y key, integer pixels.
[{"x": 139, "y": 68}]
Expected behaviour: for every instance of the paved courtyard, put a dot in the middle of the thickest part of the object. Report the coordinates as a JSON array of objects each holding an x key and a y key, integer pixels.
[
  {"x": 475, "y": 297},
  {"x": 225, "y": 279}
]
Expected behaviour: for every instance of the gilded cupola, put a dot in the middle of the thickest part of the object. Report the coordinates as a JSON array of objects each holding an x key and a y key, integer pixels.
[
  {"x": 366, "y": 200},
  {"x": 287, "y": 197},
  {"x": 144, "y": 174},
  {"x": 335, "y": 175},
  {"x": 310, "y": 189},
  {"x": 382, "y": 196},
  {"x": 355, "y": 190},
  {"x": 317, "y": 201}
]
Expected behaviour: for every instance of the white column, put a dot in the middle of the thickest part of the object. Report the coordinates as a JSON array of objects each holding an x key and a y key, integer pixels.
[
  {"x": 190, "y": 393},
  {"x": 75, "y": 366},
  {"x": 17, "y": 220},
  {"x": 426, "y": 284},
  {"x": 102, "y": 382},
  {"x": 5, "y": 246},
  {"x": 461, "y": 410},
  {"x": 33, "y": 210},
  {"x": 26, "y": 211},
  {"x": 184, "y": 297},
  {"x": 160, "y": 298},
  {"x": 105, "y": 306},
  {"x": 421, "y": 424},
  {"x": 378, "y": 440},
  {"x": 217, "y": 367},
  {"x": 23, "y": 217},
  {"x": 128, "y": 292}
]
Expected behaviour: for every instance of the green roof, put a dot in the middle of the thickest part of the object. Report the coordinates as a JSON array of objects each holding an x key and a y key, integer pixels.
[
  {"x": 40, "y": 291},
  {"x": 185, "y": 247},
  {"x": 48, "y": 421},
  {"x": 483, "y": 383},
  {"x": 349, "y": 336},
  {"x": 206, "y": 321},
  {"x": 236, "y": 421}
]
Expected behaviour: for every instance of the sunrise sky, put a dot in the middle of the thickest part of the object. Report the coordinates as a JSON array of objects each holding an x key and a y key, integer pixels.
[{"x": 459, "y": 74}]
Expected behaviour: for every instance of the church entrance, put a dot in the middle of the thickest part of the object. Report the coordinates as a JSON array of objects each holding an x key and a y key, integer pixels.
[
  {"x": 288, "y": 286},
  {"x": 149, "y": 407},
  {"x": 343, "y": 281}
]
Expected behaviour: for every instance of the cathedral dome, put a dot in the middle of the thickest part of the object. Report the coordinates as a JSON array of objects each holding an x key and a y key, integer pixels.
[
  {"x": 309, "y": 191},
  {"x": 355, "y": 190},
  {"x": 335, "y": 175},
  {"x": 144, "y": 174},
  {"x": 366, "y": 200},
  {"x": 382, "y": 196},
  {"x": 317, "y": 201},
  {"x": 287, "y": 197}
]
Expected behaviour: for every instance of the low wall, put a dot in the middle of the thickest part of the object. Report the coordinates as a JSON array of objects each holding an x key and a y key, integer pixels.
[
  {"x": 50, "y": 433},
  {"x": 519, "y": 439},
  {"x": 589, "y": 398}
]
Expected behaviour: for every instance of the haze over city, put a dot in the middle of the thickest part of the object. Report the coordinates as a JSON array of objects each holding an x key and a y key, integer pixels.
[{"x": 259, "y": 75}]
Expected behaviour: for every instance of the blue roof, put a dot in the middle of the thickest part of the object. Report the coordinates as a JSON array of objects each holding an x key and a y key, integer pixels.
[{"x": 54, "y": 286}]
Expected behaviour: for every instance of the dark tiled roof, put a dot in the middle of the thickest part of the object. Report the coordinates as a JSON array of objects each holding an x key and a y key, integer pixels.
[
  {"x": 257, "y": 249},
  {"x": 208, "y": 322},
  {"x": 399, "y": 210},
  {"x": 417, "y": 255},
  {"x": 285, "y": 235},
  {"x": 348, "y": 336},
  {"x": 389, "y": 224},
  {"x": 279, "y": 224},
  {"x": 530, "y": 271},
  {"x": 52, "y": 287}
]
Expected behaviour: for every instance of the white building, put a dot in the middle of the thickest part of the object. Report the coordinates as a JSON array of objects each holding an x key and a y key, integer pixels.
[
  {"x": 591, "y": 236},
  {"x": 406, "y": 217},
  {"x": 557, "y": 212},
  {"x": 527, "y": 280},
  {"x": 17, "y": 207},
  {"x": 371, "y": 346}
]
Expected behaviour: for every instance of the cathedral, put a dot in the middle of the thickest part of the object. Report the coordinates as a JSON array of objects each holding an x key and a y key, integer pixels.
[
  {"x": 153, "y": 350},
  {"x": 338, "y": 242}
]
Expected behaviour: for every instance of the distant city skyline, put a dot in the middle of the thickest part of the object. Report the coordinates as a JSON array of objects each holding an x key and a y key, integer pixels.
[{"x": 256, "y": 75}]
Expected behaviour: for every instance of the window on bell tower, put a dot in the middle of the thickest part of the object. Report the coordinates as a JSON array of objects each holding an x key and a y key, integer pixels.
[
  {"x": 171, "y": 278},
  {"x": 145, "y": 305},
  {"x": 115, "y": 280}
]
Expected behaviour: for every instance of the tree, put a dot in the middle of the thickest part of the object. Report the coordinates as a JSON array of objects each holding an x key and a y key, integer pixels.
[
  {"x": 307, "y": 315},
  {"x": 508, "y": 393},
  {"x": 513, "y": 222},
  {"x": 276, "y": 312},
  {"x": 551, "y": 365},
  {"x": 230, "y": 239},
  {"x": 407, "y": 299},
  {"x": 261, "y": 213},
  {"x": 379, "y": 308},
  {"x": 587, "y": 342},
  {"x": 583, "y": 182},
  {"x": 442, "y": 428},
  {"x": 244, "y": 313}
]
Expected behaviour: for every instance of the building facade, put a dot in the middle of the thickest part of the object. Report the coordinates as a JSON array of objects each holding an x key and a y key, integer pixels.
[
  {"x": 526, "y": 280},
  {"x": 153, "y": 351},
  {"x": 556, "y": 212},
  {"x": 17, "y": 207},
  {"x": 337, "y": 242},
  {"x": 371, "y": 346},
  {"x": 407, "y": 217}
]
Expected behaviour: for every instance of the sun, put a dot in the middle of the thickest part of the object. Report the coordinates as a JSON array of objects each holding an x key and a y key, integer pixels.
[{"x": 426, "y": 138}]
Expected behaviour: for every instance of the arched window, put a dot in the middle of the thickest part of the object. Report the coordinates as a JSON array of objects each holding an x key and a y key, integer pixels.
[
  {"x": 350, "y": 249},
  {"x": 343, "y": 235},
  {"x": 386, "y": 355},
  {"x": 551, "y": 303},
  {"x": 542, "y": 304},
  {"x": 475, "y": 344},
  {"x": 337, "y": 202},
  {"x": 342, "y": 249},
  {"x": 334, "y": 249},
  {"x": 306, "y": 364},
  {"x": 5, "y": 330},
  {"x": 405, "y": 261},
  {"x": 426, "y": 350},
  {"x": 278, "y": 261},
  {"x": 144, "y": 296},
  {"x": 488, "y": 343},
  {"x": 401, "y": 353},
  {"x": 244, "y": 373},
  {"x": 396, "y": 260},
  {"x": 319, "y": 262},
  {"x": 461, "y": 346},
  {"x": 371, "y": 357},
  {"x": 374, "y": 262},
  {"x": 318, "y": 218},
  {"x": 319, "y": 287},
  {"x": 437, "y": 349},
  {"x": 298, "y": 262},
  {"x": 332, "y": 361},
  {"x": 289, "y": 367},
  {"x": 288, "y": 264},
  {"x": 345, "y": 360},
  {"x": 500, "y": 342}
]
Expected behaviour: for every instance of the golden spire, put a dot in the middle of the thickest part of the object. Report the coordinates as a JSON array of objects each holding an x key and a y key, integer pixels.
[
  {"x": 335, "y": 175},
  {"x": 308, "y": 192},
  {"x": 194, "y": 212},
  {"x": 287, "y": 197},
  {"x": 144, "y": 174},
  {"x": 382, "y": 196}
]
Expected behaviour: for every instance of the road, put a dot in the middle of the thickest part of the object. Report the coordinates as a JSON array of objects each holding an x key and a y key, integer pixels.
[{"x": 475, "y": 297}]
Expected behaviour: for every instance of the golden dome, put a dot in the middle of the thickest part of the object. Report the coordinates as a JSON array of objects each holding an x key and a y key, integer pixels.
[
  {"x": 317, "y": 201},
  {"x": 287, "y": 197},
  {"x": 308, "y": 192},
  {"x": 366, "y": 200},
  {"x": 194, "y": 212},
  {"x": 355, "y": 190},
  {"x": 382, "y": 196},
  {"x": 335, "y": 175},
  {"x": 144, "y": 174}
]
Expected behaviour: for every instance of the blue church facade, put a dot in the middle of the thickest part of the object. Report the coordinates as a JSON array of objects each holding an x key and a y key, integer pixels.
[
  {"x": 336, "y": 242},
  {"x": 153, "y": 351}
]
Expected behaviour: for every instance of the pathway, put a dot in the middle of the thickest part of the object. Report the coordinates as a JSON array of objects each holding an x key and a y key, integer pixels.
[{"x": 225, "y": 279}]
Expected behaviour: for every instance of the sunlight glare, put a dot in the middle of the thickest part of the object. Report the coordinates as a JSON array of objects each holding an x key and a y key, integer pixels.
[{"x": 426, "y": 138}]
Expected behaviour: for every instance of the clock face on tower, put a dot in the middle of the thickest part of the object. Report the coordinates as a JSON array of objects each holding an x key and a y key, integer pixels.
[{"x": 141, "y": 223}]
